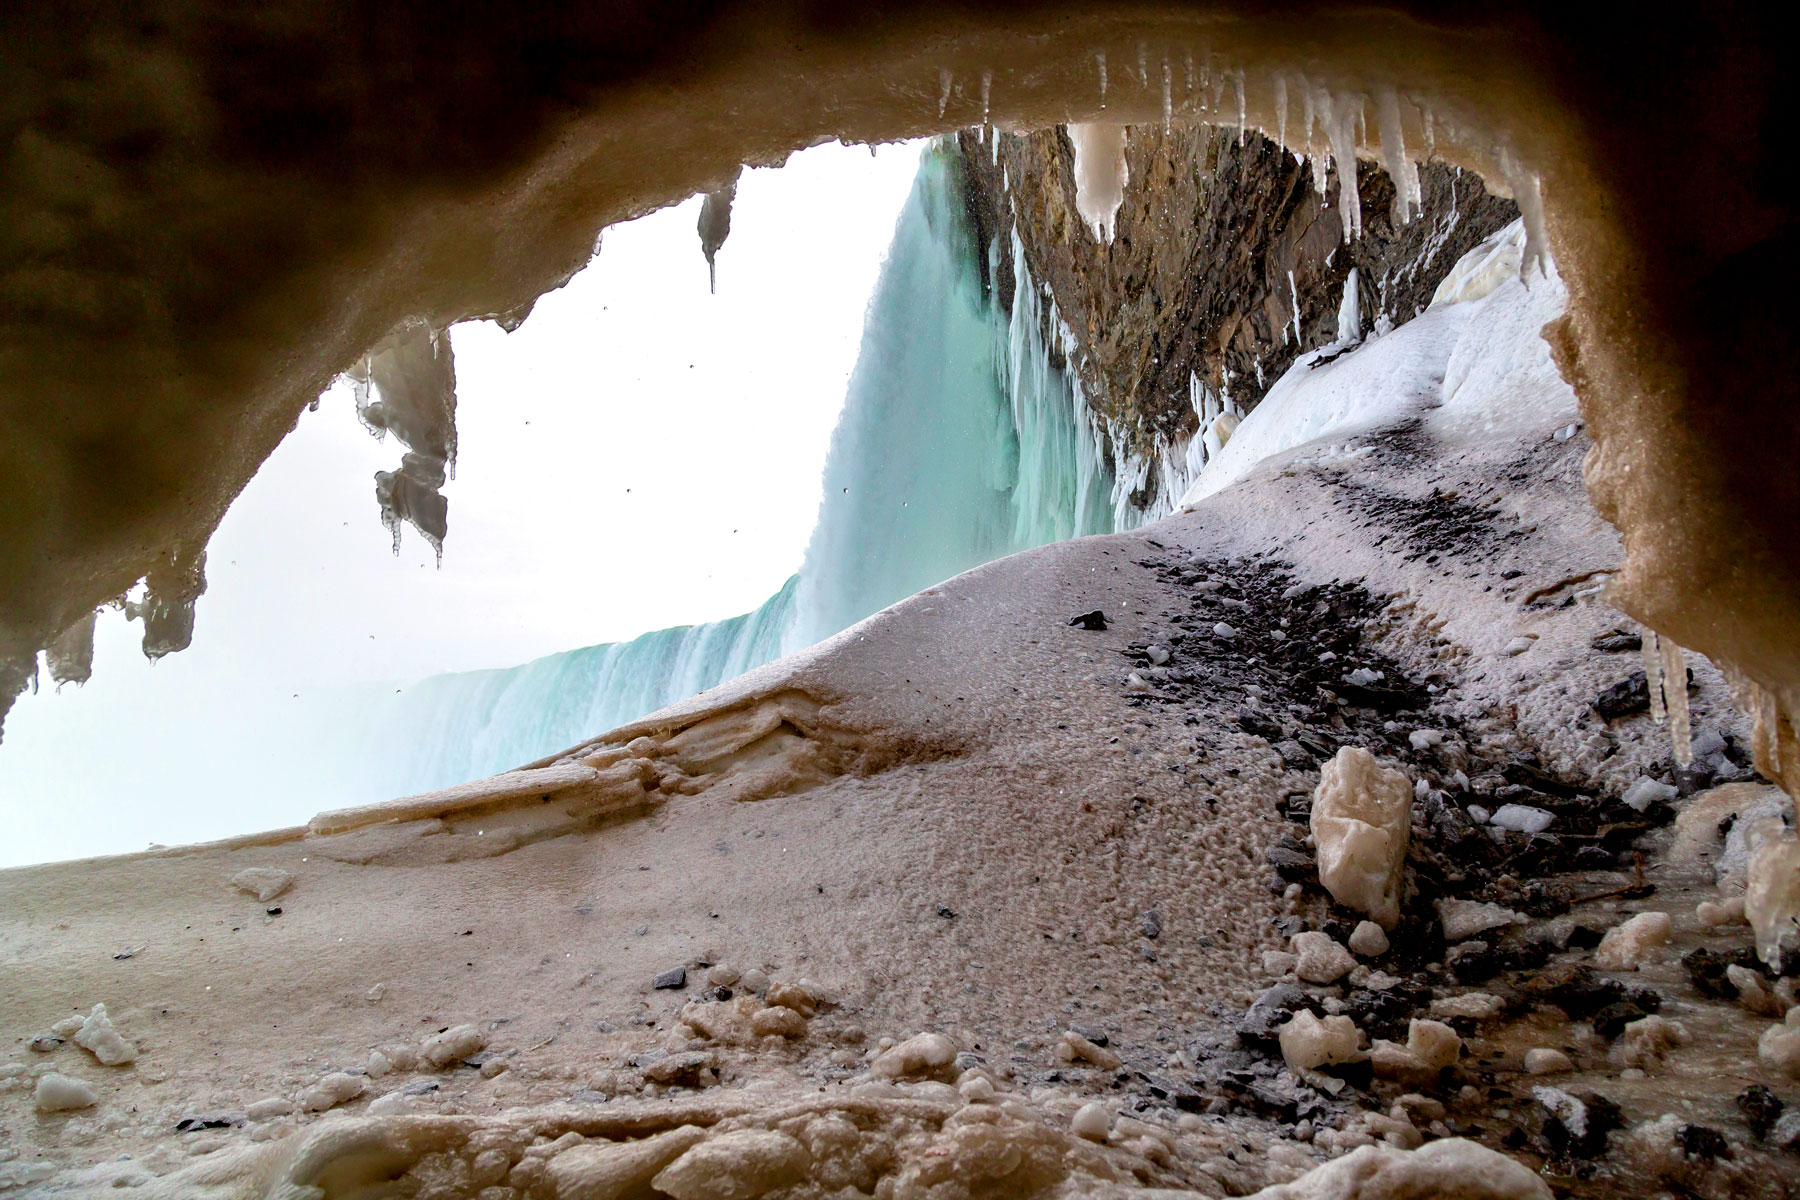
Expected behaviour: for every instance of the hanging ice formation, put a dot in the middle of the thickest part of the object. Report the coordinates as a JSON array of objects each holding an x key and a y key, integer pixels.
[
  {"x": 959, "y": 442},
  {"x": 407, "y": 386},
  {"x": 715, "y": 226},
  {"x": 1100, "y": 175},
  {"x": 1665, "y": 673}
]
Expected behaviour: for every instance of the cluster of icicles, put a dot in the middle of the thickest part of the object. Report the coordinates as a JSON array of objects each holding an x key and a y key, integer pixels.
[{"x": 1333, "y": 124}]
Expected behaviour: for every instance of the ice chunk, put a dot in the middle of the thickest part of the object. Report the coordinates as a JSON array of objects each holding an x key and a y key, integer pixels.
[
  {"x": 1644, "y": 1042},
  {"x": 1466, "y": 918},
  {"x": 1320, "y": 959},
  {"x": 1309, "y": 1042},
  {"x": 945, "y": 80},
  {"x": 924, "y": 1054},
  {"x": 1546, "y": 1060},
  {"x": 1091, "y": 1121},
  {"x": 99, "y": 1037},
  {"x": 715, "y": 224},
  {"x": 1647, "y": 791},
  {"x": 1369, "y": 939},
  {"x": 265, "y": 883},
  {"x": 1448, "y": 1167},
  {"x": 1522, "y": 818},
  {"x": 1361, "y": 820},
  {"x": 59, "y": 1093},
  {"x": 1772, "y": 897},
  {"x": 337, "y": 1088},
  {"x": 1100, "y": 174},
  {"x": 452, "y": 1045},
  {"x": 1281, "y": 105},
  {"x": 601, "y": 1168},
  {"x": 1779, "y": 1045},
  {"x": 1100, "y": 60},
  {"x": 1633, "y": 943},
  {"x": 741, "y": 1163}
]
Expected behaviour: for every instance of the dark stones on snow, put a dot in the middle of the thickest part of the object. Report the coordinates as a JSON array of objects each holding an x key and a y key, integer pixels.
[
  {"x": 1629, "y": 696},
  {"x": 1614, "y": 641},
  {"x": 1095, "y": 621},
  {"x": 1761, "y": 1108},
  {"x": 673, "y": 979}
]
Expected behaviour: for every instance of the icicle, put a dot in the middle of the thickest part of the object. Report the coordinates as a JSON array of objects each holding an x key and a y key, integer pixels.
[
  {"x": 944, "y": 80},
  {"x": 1100, "y": 175},
  {"x": 1187, "y": 60},
  {"x": 715, "y": 226},
  {"x": 1526, "y": 192},
  {"x": 1425, "y": 115},
  {"x": 1294, "y": 296},
  {"x": 1653, "y": 675},
  {"x": 1675, "y": 699},
  {"x": 987, "y": 83},
  {"x": 1405, "y": 175},
  {"x": 1143, "y": 65},
  {"x": 1100, "y": 57},
  {"x": 1281, "y": 110},
  {"x": 1237, "y": 82},
  {"x": 1339, "y": 115},
  {"x": 1168, "y": 97},
  {"x": 996, "y": 145}
]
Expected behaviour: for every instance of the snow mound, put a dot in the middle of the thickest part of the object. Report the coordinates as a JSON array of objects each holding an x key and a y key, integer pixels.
[{"x": 1473, "y": 366}]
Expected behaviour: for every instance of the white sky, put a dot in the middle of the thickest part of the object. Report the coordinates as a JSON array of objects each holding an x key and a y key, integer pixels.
[{"x": 639, "y": 454}]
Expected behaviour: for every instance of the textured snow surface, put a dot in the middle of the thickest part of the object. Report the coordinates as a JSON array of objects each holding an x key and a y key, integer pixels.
[{"x": 1473, "y": 366}]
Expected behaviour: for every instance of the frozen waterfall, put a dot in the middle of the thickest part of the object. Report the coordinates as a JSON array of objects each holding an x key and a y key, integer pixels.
[{"x": 958, "y": 443}]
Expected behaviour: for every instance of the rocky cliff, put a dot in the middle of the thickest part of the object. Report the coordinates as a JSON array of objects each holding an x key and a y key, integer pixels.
[{"x": 1227, "y": 263}]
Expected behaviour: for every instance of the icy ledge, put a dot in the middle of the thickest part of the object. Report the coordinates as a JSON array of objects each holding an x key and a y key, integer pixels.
[{"x": 1474, "y": 365}]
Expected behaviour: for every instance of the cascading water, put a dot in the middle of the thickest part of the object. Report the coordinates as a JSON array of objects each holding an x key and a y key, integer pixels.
[{"x": 959, "y": 442}]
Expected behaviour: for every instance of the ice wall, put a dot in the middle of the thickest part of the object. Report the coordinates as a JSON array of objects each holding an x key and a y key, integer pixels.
[{"x": 959, "y": 442}]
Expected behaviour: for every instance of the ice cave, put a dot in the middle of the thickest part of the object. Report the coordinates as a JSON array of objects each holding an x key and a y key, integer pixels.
[{"x": 953, "y": 601}]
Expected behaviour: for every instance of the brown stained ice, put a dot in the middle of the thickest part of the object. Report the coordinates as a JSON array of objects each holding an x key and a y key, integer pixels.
[
  {"x": 407, "y": 387},
  {"x": 715, "y": 225}
]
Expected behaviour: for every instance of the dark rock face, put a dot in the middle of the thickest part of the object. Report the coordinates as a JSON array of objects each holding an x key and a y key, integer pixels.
[{"x": 1217, "y": 244}]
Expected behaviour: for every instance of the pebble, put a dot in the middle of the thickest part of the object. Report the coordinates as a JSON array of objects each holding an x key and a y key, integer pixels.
[
  {"x": 1369, "y": 940},
  {"x": 755, "y": 981},
  {"x": 59, "y": 1093},
  {"x": 672, "y": 979},
  {"x": 1091, "y": 1121},
  {"x": 722, "y": 975},
  {"x": 1319, "y": 959},
  {"x": 1542, "y": 1060},
  {"x": 1521, "y": 818},
  {"x": 1223, "y": 631}
]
